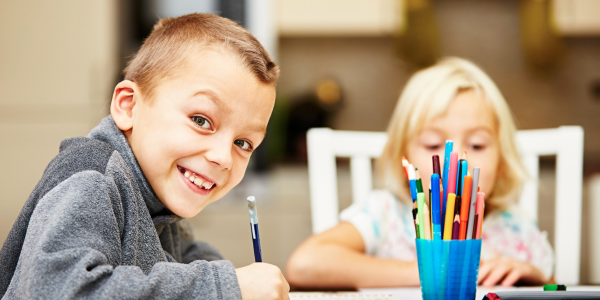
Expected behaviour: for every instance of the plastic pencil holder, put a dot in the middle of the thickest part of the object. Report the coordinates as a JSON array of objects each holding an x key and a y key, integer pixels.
[{"x": 448, "y": 269}]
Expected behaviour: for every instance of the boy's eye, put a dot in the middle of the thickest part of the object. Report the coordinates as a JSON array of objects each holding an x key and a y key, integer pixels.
[
  {"x": 202, "y": 122},
  {"x": 243, "y": 144}
]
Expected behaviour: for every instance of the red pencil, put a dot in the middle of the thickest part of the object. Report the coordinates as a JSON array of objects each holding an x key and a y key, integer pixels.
[{"x": 405, "y": 166}]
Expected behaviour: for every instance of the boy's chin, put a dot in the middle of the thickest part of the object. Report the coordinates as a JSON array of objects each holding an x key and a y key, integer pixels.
[{"x": 185, "y": 211}]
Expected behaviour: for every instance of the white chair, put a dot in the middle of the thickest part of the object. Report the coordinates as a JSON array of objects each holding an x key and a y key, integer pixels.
[{"x": 566, "y": 142}]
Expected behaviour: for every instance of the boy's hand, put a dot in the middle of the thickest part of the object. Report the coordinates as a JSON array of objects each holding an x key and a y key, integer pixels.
[
  {"x": 262, "y": 281},
  {"x": 507, "y": 271}
]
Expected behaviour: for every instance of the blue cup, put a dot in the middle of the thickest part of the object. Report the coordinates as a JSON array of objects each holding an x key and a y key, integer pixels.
[{"x": 448, "y": 269}]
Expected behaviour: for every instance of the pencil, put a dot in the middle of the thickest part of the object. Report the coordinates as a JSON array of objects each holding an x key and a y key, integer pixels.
[
  {"x": 436, "y": 165},
  {"x": 413, "y": 195},
  {"x": 473, "y": 204},
  {"x": 479, "y": 215},
  {"x": 464, "y": 209},
  {"x": 436, "y": 215},
  {"x": 451, "y": 186},
  {"x": 418, "y": 181},
  {"x": 254, "y": 228},
  {"x": 427, "y": 222},
  {"x": 421, "y": 214},
  {"x": 405, "y": 166},
  {"x": 444, "y": 178},
  {"x": 448, "y": 218},
  {"x": 455, "y": 227}
]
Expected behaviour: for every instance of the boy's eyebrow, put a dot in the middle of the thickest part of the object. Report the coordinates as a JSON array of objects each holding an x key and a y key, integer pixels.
[{"x": 214, "y": 98}]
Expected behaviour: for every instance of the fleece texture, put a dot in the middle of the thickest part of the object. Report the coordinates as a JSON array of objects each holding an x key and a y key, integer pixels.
[{"x": 94, "y": 228}]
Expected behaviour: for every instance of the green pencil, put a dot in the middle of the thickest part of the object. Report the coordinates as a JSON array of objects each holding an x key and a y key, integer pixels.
[{"x": 421, "y": 211}]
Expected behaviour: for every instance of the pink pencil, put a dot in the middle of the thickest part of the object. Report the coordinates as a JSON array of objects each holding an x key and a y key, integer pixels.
[
  {"x": 452, "y": 173},
  {"x": 479, "y": 214}
]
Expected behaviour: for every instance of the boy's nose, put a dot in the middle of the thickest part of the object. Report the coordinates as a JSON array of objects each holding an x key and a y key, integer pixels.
[{"x": 220, "y": 154}]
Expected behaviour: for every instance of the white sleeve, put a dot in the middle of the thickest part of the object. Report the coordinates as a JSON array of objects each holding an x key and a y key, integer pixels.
[{"x": 367, "y": 217}]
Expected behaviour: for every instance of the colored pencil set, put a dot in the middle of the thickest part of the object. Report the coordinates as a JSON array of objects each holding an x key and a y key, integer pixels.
[{"x": 455, "y": 207}]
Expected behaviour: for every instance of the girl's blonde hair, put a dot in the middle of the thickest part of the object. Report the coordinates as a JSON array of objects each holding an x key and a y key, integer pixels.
[{"x": 427, "y": 95}]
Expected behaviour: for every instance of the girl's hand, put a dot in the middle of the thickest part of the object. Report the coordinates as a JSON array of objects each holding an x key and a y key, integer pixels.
[{"x": 506, "y": 271}]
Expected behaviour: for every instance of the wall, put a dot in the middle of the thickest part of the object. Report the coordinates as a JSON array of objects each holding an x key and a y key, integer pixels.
[{"x": 57, "y": 69}]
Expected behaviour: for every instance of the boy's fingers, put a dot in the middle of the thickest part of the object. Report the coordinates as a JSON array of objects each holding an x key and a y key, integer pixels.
[
  {"x": 498, "y": 273},
  {"x": 286, "y": 289},
  {"x": 512, "y": 278}
]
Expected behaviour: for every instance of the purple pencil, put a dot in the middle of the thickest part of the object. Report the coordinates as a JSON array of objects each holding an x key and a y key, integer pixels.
[{"x": 456, "y": 228}]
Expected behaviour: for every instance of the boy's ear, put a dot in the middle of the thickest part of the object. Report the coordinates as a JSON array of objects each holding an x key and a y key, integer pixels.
[{"x": 125, "y": 97}]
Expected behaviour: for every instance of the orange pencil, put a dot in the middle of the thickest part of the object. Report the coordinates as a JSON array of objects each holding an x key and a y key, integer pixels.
[{"x": 464, "y": 210}]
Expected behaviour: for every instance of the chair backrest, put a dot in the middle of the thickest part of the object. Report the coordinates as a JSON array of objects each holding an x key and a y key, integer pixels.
[{"x": 566, "y": 142}]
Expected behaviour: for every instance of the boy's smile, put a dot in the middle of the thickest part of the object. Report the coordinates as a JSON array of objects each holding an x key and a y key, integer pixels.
[{"x": 194, "y": 139}]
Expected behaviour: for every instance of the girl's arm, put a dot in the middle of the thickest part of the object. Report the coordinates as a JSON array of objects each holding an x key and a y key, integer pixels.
[{"x": 336, "y": 258}]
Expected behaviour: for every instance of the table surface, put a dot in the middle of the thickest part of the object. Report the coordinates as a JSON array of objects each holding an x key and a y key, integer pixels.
[{"x": 415, "y": 293}]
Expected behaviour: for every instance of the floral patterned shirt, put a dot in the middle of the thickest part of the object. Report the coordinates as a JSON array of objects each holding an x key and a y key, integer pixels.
[{"x": 387, "y": 228}]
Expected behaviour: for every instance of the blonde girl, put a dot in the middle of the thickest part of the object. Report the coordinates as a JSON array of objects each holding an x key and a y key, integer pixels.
[{"x": 373, "y": 245}]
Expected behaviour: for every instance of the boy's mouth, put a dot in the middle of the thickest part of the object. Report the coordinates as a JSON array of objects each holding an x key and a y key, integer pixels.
[{"x": 196, "y": 179}]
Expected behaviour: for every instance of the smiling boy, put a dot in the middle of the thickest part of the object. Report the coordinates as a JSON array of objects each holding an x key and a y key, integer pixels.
[{"x": 104, "y": 220}]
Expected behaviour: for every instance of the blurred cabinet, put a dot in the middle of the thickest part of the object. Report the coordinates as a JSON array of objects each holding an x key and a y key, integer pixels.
[
  {"x": 339, "y": 17},
  {"x": 577, "y": 17}
]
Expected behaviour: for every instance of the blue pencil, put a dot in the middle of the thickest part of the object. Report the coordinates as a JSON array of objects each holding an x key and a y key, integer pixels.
[
  {"x": 254, "y": 228},
  {"x": 436, "y": 218},
  {"x": 464, "y": 168},
  {"x": 447, "y": 151}
]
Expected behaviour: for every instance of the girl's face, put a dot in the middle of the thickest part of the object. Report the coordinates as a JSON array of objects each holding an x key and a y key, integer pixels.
[{"x": 471, "y": 124}]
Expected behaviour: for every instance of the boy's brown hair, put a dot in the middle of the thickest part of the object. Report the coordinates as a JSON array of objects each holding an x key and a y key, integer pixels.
[{"x": 164, "y": 52}]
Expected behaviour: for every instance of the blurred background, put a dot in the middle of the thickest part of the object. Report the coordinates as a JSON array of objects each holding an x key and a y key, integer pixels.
[{"x": 343, "y": 62}]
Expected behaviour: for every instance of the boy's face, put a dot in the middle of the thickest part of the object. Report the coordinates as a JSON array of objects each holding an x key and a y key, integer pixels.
[
  {"x": 201, "y": 125},
  {"x": 470, "y": 124}
]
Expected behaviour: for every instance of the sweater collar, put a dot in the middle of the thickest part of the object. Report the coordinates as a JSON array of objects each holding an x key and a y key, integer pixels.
[{"x": 108, "y": 132}]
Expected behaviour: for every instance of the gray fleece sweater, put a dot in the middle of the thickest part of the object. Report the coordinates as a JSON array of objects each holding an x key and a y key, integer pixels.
[{"x": 94, "y": 228}]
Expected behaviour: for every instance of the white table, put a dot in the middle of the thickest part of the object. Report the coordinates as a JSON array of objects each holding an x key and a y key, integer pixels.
[{"x": 414, "y": 293}]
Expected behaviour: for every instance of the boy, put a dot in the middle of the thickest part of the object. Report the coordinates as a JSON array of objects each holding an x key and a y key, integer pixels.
[{"x": 103, "y": 220}]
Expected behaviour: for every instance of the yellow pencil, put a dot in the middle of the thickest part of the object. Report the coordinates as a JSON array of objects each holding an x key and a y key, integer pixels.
[
  {"x": 427, "y": 223},
  {"x": 449, "y": 216}
]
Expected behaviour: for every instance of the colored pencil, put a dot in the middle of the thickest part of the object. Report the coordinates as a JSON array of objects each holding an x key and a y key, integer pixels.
[
  {"x": 448, "y": 219},
  {"x": 418, "y": 181},
  {"x": 405, "y": 166},
  {"x": 464, "y": 209},
  {"x": 413, "y": 194},
  {"x": 436, "y": 215},
  {"x": 472, "y": 206},
  {"x": 451, "y": 186},
  {"x": 421, "y": 214},
  {"x": 479, "y": 214},
  {"x": 436, "y": 165},
  {"x": 455, "y": 227},
  {"x": 447, "y": 151},
  {"x": 427, "y": 222}
]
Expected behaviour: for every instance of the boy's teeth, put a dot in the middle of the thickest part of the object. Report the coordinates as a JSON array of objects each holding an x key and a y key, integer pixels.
[{"x": 198, "y": 180}]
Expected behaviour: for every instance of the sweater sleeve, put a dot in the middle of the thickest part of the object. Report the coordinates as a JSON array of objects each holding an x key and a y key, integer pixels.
[{"x": 73, "y": 250}]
